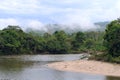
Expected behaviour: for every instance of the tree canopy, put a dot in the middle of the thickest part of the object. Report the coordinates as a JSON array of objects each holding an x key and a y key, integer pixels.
[
  {"x": 13, "y": 40},
  {"x": 112, "y": 38}
]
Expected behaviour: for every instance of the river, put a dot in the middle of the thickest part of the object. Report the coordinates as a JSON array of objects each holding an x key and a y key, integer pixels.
[{"x": 33, "y": 67}]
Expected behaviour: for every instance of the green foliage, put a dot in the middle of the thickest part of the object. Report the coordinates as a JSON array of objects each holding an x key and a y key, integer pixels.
[
  {"x": 10, "y": 40},
  {"x": 116, "y": 59},
  {"x": 57, "y": 43},
  {"x": 102, "y": 57},
  {"x": 89, "y": 43},
  {"x": 112, "y": 43},
  {"x": 105, "y": 57},
  {"x": 95, "y": 39},
  {"x": 78, "y": 41},
  {"x": 13, "y": 40},
  {"x": 112, "y": 38}
]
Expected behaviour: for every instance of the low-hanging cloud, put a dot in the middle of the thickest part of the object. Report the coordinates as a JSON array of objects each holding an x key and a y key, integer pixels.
[
  {"x": 36, "y": 25},
  {"x": 70, "y": 14},
  {"x": 9, "y": 21},
  {"x": 39, "y": 26},
  {"x": 24, "y": 24}
]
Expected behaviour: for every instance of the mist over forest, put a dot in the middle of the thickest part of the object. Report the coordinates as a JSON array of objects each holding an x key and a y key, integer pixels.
[
  {"x": 51, "y": 28},
  {"x": 52, "y": 38}
]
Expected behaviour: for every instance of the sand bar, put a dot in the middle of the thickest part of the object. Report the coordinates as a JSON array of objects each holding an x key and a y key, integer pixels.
[{"x": 85, "y": 66}]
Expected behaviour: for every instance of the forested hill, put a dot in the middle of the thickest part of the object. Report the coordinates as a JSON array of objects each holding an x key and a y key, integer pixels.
[{"x": 13, "y": 40}]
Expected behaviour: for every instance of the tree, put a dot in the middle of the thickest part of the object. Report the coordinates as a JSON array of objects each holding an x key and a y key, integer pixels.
[
  {"x": 11, "y": 27},
  {"x": 57, "y": 43},
  {"x": 89, "y": 43},
  {"x": 78, "y": 41},
  {"x": 60, "y": 35},
  {"x": 112, "y": 38},
  {"x": 14, "y": 41},
  {"x": 10, "y": 40}
]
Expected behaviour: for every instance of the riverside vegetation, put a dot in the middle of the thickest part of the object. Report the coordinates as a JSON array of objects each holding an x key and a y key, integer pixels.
[
  {"x": 111, "y": 42},
  {"x": 13, "y": 40}
]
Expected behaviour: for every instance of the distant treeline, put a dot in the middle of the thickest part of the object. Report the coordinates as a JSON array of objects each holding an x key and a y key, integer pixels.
[{"x": 13, "y": 40}]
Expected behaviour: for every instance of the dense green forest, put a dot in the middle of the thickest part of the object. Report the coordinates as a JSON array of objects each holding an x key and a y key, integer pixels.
[
  {"x": 111, "y": 42},
  {"x": 13, "y": 40}
]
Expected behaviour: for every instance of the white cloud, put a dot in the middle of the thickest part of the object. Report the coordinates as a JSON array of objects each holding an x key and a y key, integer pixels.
[
  {"x": 5, "y": 22},
  {"x": 76, "y": 21},
  {"x": 45, "y": 7},
  {"x": 81, "y": 12},
  {"x": 65, "y": 1},
  {"x": 19, "y": 6},
  {"x": 36, "y": 25},
  {"x": 24, "y": 24}
]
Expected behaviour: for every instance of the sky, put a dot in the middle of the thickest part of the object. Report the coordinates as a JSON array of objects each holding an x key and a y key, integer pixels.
[{"x": 36, "y": 13}]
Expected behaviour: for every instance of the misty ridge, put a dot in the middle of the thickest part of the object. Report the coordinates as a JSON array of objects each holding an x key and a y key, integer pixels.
[{"x": 51, "y": 28}]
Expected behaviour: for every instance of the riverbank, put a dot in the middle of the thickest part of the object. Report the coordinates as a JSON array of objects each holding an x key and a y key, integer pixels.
[{"x": 85, "y": 66}]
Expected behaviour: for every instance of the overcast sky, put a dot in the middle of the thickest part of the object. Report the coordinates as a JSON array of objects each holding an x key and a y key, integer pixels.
[{"x": 36, "y": 13}]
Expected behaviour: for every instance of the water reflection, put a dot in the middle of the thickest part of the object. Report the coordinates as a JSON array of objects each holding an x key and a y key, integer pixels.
[
  {"x": 112, "y": 78},
  {"x": 31, "y": 67},
  {"x": 7, "y": 64}
]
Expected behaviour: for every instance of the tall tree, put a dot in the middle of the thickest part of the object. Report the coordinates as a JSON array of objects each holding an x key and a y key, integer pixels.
[
  {"x": 78, "y": 41},
  {"x": 112, "y": 38},
  {"x": 57, "y": 43}
]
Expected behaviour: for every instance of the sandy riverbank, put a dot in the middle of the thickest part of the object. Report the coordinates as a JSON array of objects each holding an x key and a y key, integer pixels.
[{"x": 85, "y": 66}]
